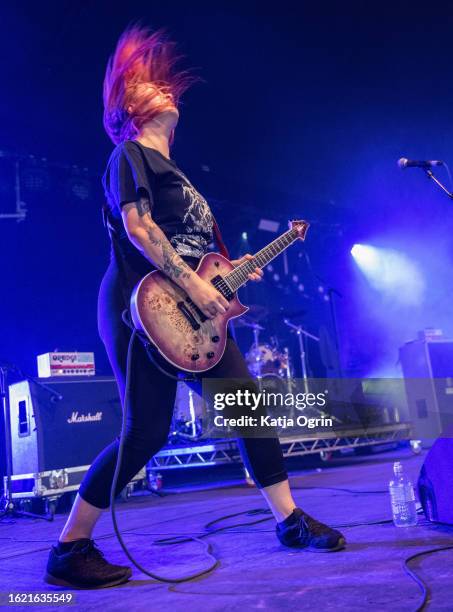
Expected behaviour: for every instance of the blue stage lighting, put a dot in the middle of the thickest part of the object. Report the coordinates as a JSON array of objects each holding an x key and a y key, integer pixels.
[{"x": 391, "y": 272}]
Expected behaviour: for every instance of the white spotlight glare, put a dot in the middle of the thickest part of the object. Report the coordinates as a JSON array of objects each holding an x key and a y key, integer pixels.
[{"x": 391, "y": 272}]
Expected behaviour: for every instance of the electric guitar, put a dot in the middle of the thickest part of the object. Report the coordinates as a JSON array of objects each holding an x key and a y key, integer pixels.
[{"x": 177, "y": 327}]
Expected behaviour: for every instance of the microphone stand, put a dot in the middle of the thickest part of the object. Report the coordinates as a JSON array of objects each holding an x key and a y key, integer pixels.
[
  {"x": 301, "y": 333},
  {"x": 429, "y": 173}
]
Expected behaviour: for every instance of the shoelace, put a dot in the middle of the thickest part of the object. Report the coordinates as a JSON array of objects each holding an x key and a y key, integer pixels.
[{"x": 310, "y": 526}]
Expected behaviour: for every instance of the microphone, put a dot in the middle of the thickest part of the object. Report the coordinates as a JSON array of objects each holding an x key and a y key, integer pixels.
[{"x": 412, "y": 163}]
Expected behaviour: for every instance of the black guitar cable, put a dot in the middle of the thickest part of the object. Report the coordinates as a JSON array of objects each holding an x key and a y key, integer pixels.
[
  {"x": 206, "y": 545},
  {"x": 426, "y": 595}
]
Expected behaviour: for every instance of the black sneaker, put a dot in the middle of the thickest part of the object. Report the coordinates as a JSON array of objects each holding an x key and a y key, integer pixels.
[
  {"x": 302, "y": 531},
  {"x": 83, "y": 567}
]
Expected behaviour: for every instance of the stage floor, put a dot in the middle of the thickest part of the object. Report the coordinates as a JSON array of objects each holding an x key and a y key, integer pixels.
[{"x": 255, "y": 571}]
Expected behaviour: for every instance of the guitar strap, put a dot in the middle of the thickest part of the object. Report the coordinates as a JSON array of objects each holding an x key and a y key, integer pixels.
[{"x": 218, "y": 236}]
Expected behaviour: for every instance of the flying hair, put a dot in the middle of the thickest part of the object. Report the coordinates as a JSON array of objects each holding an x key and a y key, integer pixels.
[{"x": 140, "y": 79}]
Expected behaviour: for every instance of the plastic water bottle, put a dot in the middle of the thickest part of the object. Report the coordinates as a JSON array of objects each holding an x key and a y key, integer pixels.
[{"x": 402, "y": 498}]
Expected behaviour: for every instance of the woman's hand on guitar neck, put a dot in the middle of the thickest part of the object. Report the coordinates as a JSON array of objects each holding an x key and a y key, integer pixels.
[
  {"x": 210, "y": 301},
  {"x": 257, "y": 273}
]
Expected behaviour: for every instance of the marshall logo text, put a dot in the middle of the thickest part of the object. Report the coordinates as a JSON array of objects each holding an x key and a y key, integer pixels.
[{"x": 84, "y": 418}]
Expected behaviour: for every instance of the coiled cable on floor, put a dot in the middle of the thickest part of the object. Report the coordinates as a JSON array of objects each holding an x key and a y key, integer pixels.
[{"x": 206, "y": 545}]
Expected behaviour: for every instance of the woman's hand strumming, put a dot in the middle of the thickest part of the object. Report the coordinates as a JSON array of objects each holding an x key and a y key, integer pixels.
[{"x": 210, "y": 301}]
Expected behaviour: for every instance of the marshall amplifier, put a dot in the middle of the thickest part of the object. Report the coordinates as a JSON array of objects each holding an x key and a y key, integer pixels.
[{"x": 63, "y": 426}]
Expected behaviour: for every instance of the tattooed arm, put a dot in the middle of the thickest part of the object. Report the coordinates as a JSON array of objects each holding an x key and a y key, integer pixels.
[
  {"x": 150, "y": 240},
  {"x": 147, "y": 236}
]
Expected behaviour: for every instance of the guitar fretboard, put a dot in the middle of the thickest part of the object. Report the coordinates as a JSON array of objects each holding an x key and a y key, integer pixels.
[{"x": 239, "y": 276}]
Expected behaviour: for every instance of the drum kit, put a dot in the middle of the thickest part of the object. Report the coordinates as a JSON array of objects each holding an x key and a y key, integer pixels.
[
  {"x": 271, "y": 359},
  {"x": 269, "y": 363}
]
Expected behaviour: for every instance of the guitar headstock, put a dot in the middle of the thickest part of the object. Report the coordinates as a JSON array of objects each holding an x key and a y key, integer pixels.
[{"x": 301, "y": 227}]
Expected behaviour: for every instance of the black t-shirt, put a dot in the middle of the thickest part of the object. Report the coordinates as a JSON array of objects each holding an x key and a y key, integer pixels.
[{"x": 134, "y": 171}]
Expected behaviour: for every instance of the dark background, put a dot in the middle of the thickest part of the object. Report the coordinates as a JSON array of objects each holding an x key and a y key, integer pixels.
[{"x": 303, "y": 111}]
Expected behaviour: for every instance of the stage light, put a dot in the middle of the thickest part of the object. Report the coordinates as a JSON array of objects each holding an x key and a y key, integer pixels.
[
  {"x": 391, "y": 272},
  {"x": 366, "y": 256},
  {"x": 244, "y": 236}
]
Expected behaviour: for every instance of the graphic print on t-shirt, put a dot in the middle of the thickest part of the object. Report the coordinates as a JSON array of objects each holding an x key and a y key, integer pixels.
[
  {"x": 197, "y": 219},
  {"x": 177, "y": 207}
]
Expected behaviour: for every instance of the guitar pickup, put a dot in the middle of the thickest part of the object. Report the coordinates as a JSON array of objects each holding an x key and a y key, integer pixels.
[
  {"x": 189, "y": 316},
  {"x": 198, "y": 312}
]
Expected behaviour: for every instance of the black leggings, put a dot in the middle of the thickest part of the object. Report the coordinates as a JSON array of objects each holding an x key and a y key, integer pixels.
[{"x": 151, "y": 406}]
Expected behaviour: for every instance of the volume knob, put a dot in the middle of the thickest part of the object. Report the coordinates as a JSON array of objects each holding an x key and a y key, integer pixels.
[
  {"x": 215, "y": 338},
  {"x": 210, "y": 355}
]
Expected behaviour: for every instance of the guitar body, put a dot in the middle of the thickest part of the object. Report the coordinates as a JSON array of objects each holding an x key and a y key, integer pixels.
[{"x": 164, "y": 312}]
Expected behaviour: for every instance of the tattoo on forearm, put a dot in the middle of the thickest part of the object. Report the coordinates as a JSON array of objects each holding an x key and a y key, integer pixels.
[
  {"x": 169, "y": 262},
  {"x": 172, "y": 264},
  {"x": 154, "y": 241}
]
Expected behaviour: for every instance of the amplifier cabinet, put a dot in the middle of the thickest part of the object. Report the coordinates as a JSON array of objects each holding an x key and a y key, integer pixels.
[
  {"x": 63, "y": 426},
  {"x": 428, "y": 372}
]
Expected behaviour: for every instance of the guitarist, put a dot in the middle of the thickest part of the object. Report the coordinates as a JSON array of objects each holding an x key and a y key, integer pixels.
[{"x": 157, "y": 219}]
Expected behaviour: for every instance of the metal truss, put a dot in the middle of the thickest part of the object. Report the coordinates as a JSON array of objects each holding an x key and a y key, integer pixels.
[
  {"x": 221, "y": 451},
  {"x": 226, "y": 451},
  {"x": 349, "y": 439}
]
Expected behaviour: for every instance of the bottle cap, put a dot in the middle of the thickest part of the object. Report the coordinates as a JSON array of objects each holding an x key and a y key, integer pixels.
[{"x": 397, "y": 468}]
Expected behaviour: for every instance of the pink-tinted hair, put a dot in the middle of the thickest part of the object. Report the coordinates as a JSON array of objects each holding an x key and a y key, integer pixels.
[{"x": 141, "y": 59}]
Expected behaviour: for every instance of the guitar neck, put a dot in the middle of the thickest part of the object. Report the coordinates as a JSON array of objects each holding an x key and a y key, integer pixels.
[{"x": 239, "y": 276}]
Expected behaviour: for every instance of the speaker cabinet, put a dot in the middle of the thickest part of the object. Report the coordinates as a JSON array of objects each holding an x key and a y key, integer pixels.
[
  {"x": 64, "y": 425},
  {"x": 428, "y": 373}
]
